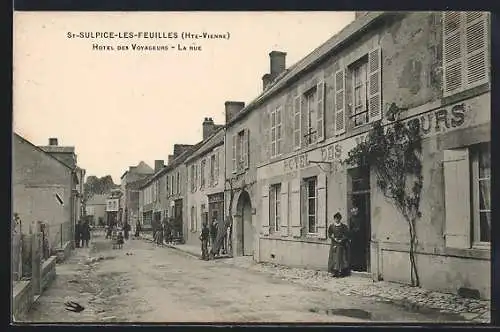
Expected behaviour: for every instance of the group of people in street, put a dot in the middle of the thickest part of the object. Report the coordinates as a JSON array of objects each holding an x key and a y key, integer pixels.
[
  {"x": 82, "y": 234},
  {"x": 215, "y": 235},
  {"x": 163, "y": 232}
]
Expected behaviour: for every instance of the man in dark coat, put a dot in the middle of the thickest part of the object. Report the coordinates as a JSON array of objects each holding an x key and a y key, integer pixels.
[
  {"x": 205, "y": 233},
  {"x": 126, "y": 230},
  {"x": 85, "y": 233},
  {"x": 78, "y": 233}
]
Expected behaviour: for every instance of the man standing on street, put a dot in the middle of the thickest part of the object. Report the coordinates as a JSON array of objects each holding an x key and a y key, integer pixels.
[
  {"x": 213, "y": 234},
  {"x": 205, "y": 233}
]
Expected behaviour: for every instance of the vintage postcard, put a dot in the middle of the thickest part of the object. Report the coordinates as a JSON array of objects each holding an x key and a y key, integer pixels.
[{"x": 251, "y": 167}]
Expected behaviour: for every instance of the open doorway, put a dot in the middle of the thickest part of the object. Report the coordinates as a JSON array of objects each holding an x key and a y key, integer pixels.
[
  {"x": 245, "y": 229},
  {"x": 360, "y": 219}
]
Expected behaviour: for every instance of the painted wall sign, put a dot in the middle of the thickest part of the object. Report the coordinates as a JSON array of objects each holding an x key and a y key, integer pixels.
[
  {"x": 219, "y": 197},
  {"x": 112, "y": 205},
  {"x": 434, "y": 122}
]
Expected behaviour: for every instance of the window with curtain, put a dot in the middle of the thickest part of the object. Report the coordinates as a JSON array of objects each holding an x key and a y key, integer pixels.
[{"x": 481, "y": 193}]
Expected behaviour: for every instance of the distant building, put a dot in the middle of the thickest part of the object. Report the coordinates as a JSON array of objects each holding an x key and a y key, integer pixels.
[
  {"x": 163, "y": 195},
  {"x": 96, "y": 209},
  {"x": 44, "y": 190},
  {"x": 129, "y": 183},
  {"x": 205, "y": 183}
]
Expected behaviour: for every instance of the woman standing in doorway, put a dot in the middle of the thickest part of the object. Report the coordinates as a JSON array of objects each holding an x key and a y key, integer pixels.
[{"x": 338, "y": 260}]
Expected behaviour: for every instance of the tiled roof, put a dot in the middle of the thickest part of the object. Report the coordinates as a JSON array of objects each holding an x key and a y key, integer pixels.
[
  {"x": 58, "y": 149},
  {"x": 41, "y": 150},
  {"x": 309, "y": 61},
  {"x": 176, "y": 162},
  {"x": 215, "y": 140}
]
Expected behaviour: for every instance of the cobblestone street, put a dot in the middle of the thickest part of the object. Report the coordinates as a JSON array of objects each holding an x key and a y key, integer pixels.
[{"x": 144, "y": 283}]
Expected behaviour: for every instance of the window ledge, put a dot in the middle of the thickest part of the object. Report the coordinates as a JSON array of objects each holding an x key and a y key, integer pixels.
[{"x": 478, "y": 253}]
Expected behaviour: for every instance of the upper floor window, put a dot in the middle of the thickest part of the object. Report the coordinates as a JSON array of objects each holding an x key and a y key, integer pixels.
[
  {"x": 363, "y": 98},
  {"x": 240, "y": 151},
  {"x": 178, "y": 183},
  {"x": 310, "y": 104},
  {"x": 192, "y": 178},
  {"x": 276, "y": 133},
  {"x": 359, "y": 111},
  {"x": 212, "y": 169},
  {"x": 167, "y": 185},
  {"x": 465, "y": 51},
  {"x": 202, "y": 171}
]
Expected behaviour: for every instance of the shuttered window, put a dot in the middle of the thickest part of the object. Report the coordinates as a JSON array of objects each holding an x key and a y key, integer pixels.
[
  {"x": 374, "y": 85},
  {"x": 320, "y": 107},
  {"x": 297, "y": 121},
  {"x": 340, "y": 102},
  {"x": 465, "y": 51},
  {"x": 216, "y": 168},
  {"x": 457, "y": 198},
  {"x": 276, "y": 131},
  {"x": 284, "y": 209},
  {"x": 265, "y": 209},
  {"x": 275, "y": 208}
]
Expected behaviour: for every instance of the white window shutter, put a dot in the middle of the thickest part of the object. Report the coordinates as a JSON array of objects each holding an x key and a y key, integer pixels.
[
  {"x": 265, "y": 209},
  {"x": 375, "y": 85},
  {"x": 246, "y": 148},
  {"x": 453, "y": 70},
  {"x": 320, "y": 104},
  {"x": 457, "y": 198},
  {"x": 216, "y": 168},
  {"x": 297, "y": 121},
  {"x": 321, "y": 206},
  {"x": 476, "y": 48},
  {"x": 340, "y": 102},
  {"x": 295, "y": 205},
  {"x": 284, "y": 209},
  {"x": 235, "y": 142}
]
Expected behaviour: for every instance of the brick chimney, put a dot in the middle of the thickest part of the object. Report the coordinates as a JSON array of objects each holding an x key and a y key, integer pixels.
[
  {"x": 170, "y": 159},
  {"x": 233, "y": 108},
  {"x": 53, "y": 141},
  {"x": 278, "y": 62},
  {"x": 159, "y": 164},
  {"x": 359, "y": 14},
  {"x": 266, "y": 79},
  {"x": 208, "y": 128},
  {"x": 180, "y": 148}
]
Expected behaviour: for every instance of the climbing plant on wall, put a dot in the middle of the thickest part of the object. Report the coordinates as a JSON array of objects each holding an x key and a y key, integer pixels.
[{"x": 393, "y": 153}]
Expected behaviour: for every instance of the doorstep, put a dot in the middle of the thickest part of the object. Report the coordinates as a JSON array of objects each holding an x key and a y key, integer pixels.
[{"x": 361, "y": 274}]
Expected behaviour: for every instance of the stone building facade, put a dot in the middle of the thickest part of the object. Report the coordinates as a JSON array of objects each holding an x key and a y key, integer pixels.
[
  {"x": 43, "y": 189},
  {"x": 205, "y": 185},
  {"x": 286, "y": 149},
  {"x": 163, "y": 195}
]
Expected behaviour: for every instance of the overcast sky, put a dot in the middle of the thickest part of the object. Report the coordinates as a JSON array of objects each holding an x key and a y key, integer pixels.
[{"x": 120, "y": 107}]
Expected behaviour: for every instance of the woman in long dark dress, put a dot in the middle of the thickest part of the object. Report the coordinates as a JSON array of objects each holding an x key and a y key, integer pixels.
[{"x": 338, "y": 260}]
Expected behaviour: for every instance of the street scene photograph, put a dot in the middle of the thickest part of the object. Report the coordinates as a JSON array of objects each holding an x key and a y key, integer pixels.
[{"x": 251, "y": 167}]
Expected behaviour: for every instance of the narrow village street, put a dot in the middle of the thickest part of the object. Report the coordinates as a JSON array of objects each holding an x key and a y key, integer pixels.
[{"x": 144, "y": 283}]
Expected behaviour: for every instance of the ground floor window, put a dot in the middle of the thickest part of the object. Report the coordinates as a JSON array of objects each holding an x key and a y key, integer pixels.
[
  {"x": 481, "y": 193},
  {"x": 147, "y": 217},
  {"x": 309, "y": 201},
  {"x": 274, "y": 207}
]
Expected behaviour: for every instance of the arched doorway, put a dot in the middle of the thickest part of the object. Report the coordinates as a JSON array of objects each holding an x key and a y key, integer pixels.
[{"x": 244, "y": 227}]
